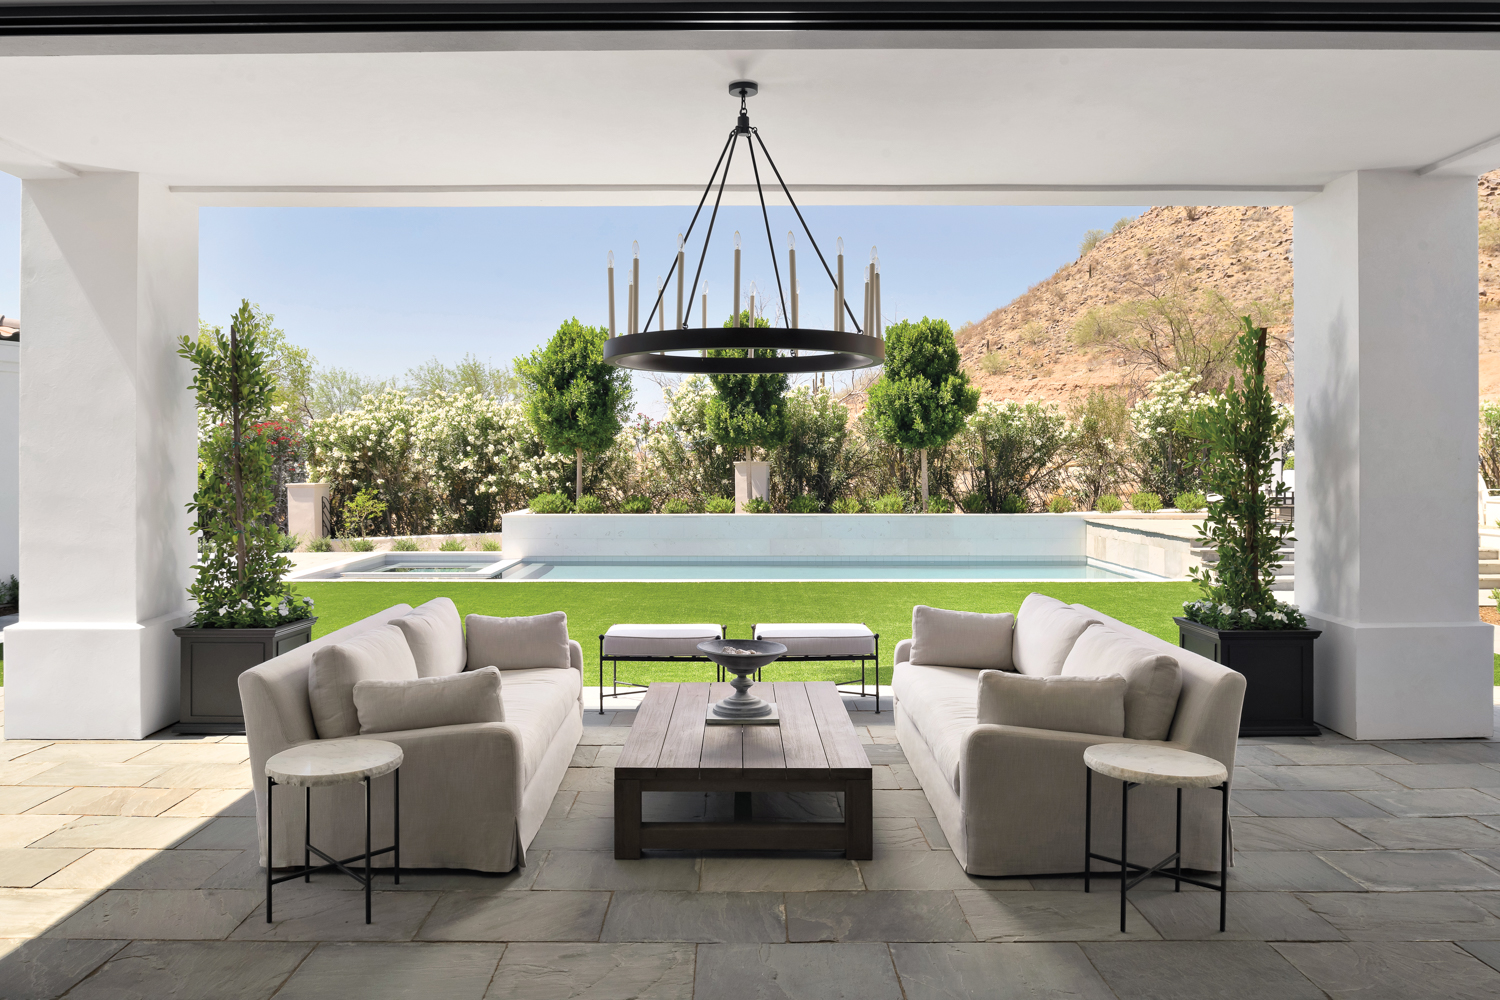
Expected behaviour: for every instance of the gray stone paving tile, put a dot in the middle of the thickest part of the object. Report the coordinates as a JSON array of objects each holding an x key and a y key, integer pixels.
[
  {"x": 121, "y": 831},
  {"x": 599, "y": 804},
  {"x": 933, "y": 831},
  {"x": 516, "y": 916},
  {"x": 885, "y": 753},
  {"x": 1193, "y": 970},
  {"x": 594, "y": 972},
  {"x": 1340, "y": 777},
  {"x": 987, "y": 971},
  {"x": 1487, "y": 952},
  {"x": 715, "y": 917},
  {"x": 1287, "y": 833},
  {"x": 1046, "y": 915},
  {"x": 1333, "y": 804},
  {"x": 446, "y": 879},
  {"x": 1338, "y": 753},
  {"x": 242, "y": 872},
  {"x": 19, "y": 798},
  {"x": 749, "y": 874},
  {"x": 394, "y": 972},
  {"x": 319, "y": 912},
  {"x": 140, "y": 869},
  {"x": 1414, "y": 870},
  {"x": 1244, "y": 778},
  {"x": 852, "y": 971},
  {"x": 1249, "y": 916},
  {"x": 583, "y": 756},
  {"x": 1394, "y": 971},
  {"x": 899, "y": 835},
  {"x": 1457, "y": 832},
  {"x": 905, "y": 803},
  {"x": 1269, "y": 871},
  {"x": 151, "y": 970},
  {"x": 603, "y": 736},
  {"x": 1266, "y": 756},
  {"x": 15, "y": 772},
  {"x": 584, "y": 833},
  {"x": 225, "y": 833},
  {"x": 24, "y": 867},
  {"x": 1405, "y": 916},
  {"x": 1441, "y": 775},
  {"x": 1444, "y": 752},
  {"x": 26, "y": 913},
  {"x": 42, "y": 968},
  {"x": 1435, "y": 802},
  {"x": 13, "y": 749},
  {"x": 163, "y": 914},
  {"x": 876, "y": 916},
  {"x": 589, "y": 779},
  {"x": 177, "y": 752},
  {"x": 600, "y": 870},
  {"x": 916, "y": 870}
]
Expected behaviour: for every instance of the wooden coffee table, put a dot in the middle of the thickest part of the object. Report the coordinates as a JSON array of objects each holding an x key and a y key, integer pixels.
[{"x": 814, "y": 749}]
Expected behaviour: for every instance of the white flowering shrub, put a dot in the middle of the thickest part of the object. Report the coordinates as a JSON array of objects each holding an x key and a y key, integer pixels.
[
  {"x": 373, "y": 447},
  {"x": 1169, "y": 460},
  {"x": 1017, "y": 452},
  {"x": 1222, "y": 616}
]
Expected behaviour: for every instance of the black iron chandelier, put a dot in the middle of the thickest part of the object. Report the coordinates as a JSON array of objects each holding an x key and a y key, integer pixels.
[{"x": 808, "y": 350}]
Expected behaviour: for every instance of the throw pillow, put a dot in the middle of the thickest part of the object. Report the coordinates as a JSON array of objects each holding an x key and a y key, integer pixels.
[
  {"x": 942, "y": 638},
  {"x": 435, "y": 634},
  {"x": 518, "y": 643},
  {"x": 1152, "y": 677},
  {"x": 380, "y": 654},
  {"x": 1066, "y": 704},
  {"x": 427, "y": 702},
  {"x": 1046, "y": 629}
]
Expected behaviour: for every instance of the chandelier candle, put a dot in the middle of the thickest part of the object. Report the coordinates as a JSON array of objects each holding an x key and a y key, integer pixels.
[
  {"x": 661, "y": 317},
  {"x": 838, "y": 292},
  {"x": 879, "y": 329},
  {"x": 680, "y": 324},
  {"x": 736, "y": 277},
  {"x": 791, "y": 263},
  {"x": 611, "y": 293},
  {"x": 635, "y": 287}
]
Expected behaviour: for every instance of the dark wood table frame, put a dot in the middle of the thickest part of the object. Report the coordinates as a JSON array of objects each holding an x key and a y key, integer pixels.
[{"x": 814, "y": 749}]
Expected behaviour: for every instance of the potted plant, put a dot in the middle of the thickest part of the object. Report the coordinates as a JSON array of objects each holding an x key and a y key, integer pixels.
[
  {"x": 245, "y": 613},
  {"x": 1240, "y": 623}
]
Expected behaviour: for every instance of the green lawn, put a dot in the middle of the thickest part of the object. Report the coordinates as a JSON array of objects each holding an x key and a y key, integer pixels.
[{"x": 884, "y": 607}]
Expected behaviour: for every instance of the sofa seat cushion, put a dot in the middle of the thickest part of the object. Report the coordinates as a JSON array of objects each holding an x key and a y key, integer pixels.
[
  {"x": 1046, "y": 629},
  {"x": 820, "y": 638},
  {"x": 379, "y": 654},
  {"x": 1152, "y": 677},
  {"x": 961, "y": 638},
  {"x": 537, "y": 703},
  {"x": 942, "y": 703},
  {"x": 435, "y": 634},
  {"x": 657, "y": 640}
]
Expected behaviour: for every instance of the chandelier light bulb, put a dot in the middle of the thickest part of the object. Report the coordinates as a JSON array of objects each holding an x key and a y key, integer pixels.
[
  {"x": 791, "y": 240},
  {"x": 873, "y": 255},
  {"x": 680, "y": 241},
  {"x": 736, "y": 239},
  {"x": 635, "y": 248},
  {"x": 841, "y": 246},
  {"x": 611, "y": 258}
]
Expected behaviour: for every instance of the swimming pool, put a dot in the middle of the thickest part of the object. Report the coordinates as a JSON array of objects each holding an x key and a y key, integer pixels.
[{"x": 813, "y": 569}]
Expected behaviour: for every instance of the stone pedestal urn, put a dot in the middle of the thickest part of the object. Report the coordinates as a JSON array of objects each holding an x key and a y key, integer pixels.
[{"x": 752, "y": 481}]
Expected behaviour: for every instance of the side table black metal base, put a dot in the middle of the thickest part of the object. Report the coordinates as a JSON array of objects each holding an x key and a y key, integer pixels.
[
  {"x": 1174, "y": 859},
  {"x": 308, "y": 850}
]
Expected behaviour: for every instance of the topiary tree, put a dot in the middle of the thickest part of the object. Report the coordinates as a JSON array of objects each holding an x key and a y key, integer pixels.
[
  {"x": 574, "y": 399},
  {"x": 748, "y": 411},
  {"x": 924, "y": 397}
]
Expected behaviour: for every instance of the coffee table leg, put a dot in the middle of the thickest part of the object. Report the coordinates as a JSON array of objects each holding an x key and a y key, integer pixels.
[
  {"x": 859, "y": 833},
  {"x": 627, "y": 819}
]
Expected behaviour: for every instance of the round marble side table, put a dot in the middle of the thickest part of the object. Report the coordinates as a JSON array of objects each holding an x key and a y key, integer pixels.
[
  {"x": 333, "y": 762},
  {"x": 1144, "y": 764}
]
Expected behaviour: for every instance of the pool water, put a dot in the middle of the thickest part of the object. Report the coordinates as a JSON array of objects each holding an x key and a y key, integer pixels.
[{"x": 810, "y": 569}]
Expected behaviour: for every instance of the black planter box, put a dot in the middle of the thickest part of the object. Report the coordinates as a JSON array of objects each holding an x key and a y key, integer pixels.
[
  {"x": 1278, "y": 669},
  {"x": 212, "y": 661}
]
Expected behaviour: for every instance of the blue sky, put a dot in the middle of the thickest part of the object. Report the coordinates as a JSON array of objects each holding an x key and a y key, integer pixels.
[{"x": 380, "y": 290}]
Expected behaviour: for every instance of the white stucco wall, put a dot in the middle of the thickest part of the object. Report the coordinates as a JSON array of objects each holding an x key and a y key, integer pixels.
[{"x": 10, "y": 442}]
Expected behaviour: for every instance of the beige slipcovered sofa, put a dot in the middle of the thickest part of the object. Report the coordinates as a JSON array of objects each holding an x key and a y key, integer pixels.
[
  {"x": 1011, "y": 800},
  {"x": 472, "y": 795}
]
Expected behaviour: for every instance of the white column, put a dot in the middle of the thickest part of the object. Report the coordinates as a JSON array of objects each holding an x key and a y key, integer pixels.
[
  {"x": 10, "y": 491},
  {"x": 1387, "y": 409},
  {"x": 109, "y": 281}
]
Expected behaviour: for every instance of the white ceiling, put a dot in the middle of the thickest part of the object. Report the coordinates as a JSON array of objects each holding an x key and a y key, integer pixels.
[{"x": 995, "y": 124}]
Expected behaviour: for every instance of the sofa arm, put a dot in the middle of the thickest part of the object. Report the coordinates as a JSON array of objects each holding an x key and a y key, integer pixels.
[
  {"x": 903, "y": 652},
  {"x": 575, "y": 655}
]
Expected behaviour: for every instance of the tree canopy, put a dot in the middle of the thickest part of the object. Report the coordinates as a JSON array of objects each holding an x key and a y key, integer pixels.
[
  {"x": 748, "y": 411},
  {"x": 924, "y": 396},
  {"x": 574, "y": 399}
]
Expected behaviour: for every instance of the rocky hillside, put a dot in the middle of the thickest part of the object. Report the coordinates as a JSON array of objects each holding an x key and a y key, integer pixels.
[{"x": 1244, "y": 254}]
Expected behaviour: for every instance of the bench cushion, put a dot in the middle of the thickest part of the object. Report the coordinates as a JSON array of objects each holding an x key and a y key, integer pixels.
[
  {"x": 658, "y": 640},
  {"x": 820, "y": 638},
  {"x": 943, "y": 704}
]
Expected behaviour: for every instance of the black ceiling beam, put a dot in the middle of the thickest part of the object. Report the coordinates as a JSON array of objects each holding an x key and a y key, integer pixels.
[{"x": 249, "y": 16}]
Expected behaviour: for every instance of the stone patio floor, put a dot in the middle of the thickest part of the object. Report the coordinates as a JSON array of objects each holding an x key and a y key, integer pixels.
[{"x": 1363, "y": 870}]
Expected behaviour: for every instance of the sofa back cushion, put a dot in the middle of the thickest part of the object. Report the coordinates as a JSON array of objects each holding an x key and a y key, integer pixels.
[
  {"x": 1069, "y": 704},
  {"x": 1046, "y": 629},
  {"x": 961, "y": 638},
  {"x": 1152, "y": 677},
  {"x": 380, "y": 654},
  {"x": 518, "y": 643},
  {"x": 428, "y": 702},
  {"x": 435, "y": 634}
]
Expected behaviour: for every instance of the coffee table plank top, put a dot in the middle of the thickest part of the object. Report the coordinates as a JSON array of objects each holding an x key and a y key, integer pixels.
[{"x": 815, "y": 738}]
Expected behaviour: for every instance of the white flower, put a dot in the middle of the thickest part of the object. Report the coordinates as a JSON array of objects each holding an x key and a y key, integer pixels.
[{"x": 1250, "y": 612}]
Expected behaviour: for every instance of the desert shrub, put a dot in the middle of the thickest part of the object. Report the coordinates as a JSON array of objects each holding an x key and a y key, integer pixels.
[
  {"x": 719, "y": 505},
  {"x": 287, "y": 543},
  {"x": 589, "y": 505},
  {"x": 939, "y": 505},
  {"x": 360, "y": 509},
  {"x": 804, "y": 504},
  {"x": 677, "y": 506},
  {"x": 1145, "y": 501},
  {"x": 1489, "y": 235},
  {"x": 1108, "y": 504},
  {"x": 451, "y": 545},
  {"x": 1489, "y": 444},
  {"x": 1060, "y": 505},
  {"x": 1015, "y": 450},
  {"x": 845, "y": 505},
  {"x": 1190, "y": 502},
  {"x": 994, "y": 363},
  {"x": 1121, "y": 223},
  {"x": 405, "y": 545},
  {"x": 680, "y": 451},
  {"x": 755, "y": 505},
  {"x": 358, "y": 545},
  {"x": 1091, "y": 239},
  {"x": 551, "y": 503},
  {"x": 1168, "y": 459},
  {"x": 820, "y": 456},
  {"x": 324, "y": 544},
  {"x": 1014, "y": 504},
  {"x": 489, "y": 545},
  {"x": 1100, "y": 445},
  {"x": 891, "y": 503},
  {"x": 974, "y": 502},
  {"x": 636, "y": 505}
]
